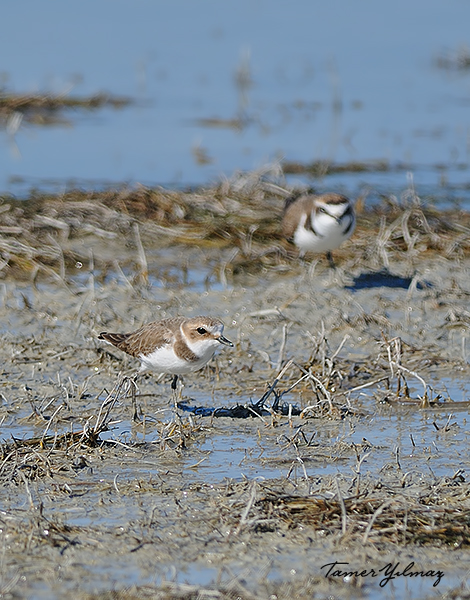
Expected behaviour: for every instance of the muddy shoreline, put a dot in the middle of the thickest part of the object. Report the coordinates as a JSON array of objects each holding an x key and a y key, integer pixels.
[{"x": 372, "y": 472}]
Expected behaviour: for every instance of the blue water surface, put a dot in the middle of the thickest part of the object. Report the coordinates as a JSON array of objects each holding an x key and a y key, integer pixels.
[{"x": 336, "y": 81}]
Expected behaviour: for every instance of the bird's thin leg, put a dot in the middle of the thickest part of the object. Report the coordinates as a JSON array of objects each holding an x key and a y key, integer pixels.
[
  {"x": 331, "y": 262},
  {"x": 135, "y": 410},
  {"x": 174, "y": 391}
]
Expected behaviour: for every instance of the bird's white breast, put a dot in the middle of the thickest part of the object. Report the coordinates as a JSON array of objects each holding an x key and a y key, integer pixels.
[
  {"x": 328, "y": 234},
  {"x": 165, "y": 360}
]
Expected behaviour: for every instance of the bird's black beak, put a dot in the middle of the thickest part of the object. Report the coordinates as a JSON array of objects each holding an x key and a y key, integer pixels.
[{"x": 224, "y": 340}]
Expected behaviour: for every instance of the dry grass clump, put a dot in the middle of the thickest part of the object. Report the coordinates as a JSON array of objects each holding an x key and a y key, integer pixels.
[
  {"x": 330, "y": 381},
  {"x": 34, "y": 232},
  {"x": 45, "y": 109},
  {"x": 396, "y": 518},
  {"x": 321, "y": 168},
  {"x": 410, "y": 232}
]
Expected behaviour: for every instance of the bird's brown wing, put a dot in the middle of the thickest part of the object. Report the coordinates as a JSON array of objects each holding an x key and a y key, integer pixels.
[
  {"x": 145, "y": 340},
  {"x": 293, "y": 209}
]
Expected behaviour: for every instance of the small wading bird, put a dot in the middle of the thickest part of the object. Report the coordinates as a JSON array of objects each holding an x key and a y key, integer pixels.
[
  {"x": 175, "y": 345},
  {"x": 318, "y": 223}
]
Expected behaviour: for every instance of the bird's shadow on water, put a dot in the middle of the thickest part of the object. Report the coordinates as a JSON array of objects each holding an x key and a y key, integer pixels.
[{"x": 384, "y": 278}]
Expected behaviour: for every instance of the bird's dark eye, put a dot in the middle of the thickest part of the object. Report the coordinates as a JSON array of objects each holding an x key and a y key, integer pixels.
[{"x": 201, "y": 330}]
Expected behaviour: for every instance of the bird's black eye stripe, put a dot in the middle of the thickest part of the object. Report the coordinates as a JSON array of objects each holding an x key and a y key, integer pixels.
[{"x": 201, "y": 330}]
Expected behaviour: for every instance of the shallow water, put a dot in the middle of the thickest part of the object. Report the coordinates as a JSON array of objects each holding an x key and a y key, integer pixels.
[{"x": 414, "y": 441}]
